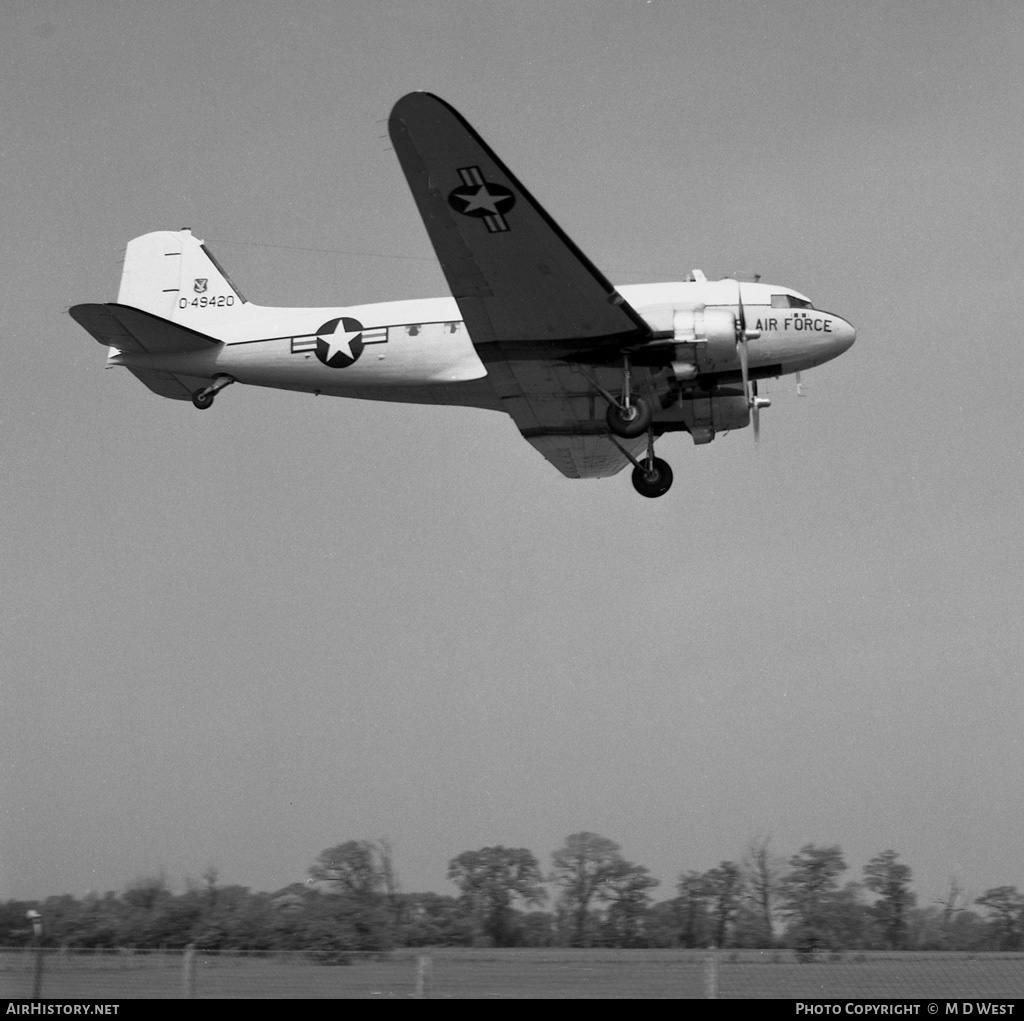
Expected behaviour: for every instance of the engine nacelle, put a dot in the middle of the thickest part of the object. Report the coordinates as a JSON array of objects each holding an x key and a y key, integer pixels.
[
  {"x": 705, "y": 337},
  {"x": 706, "y": 416}
]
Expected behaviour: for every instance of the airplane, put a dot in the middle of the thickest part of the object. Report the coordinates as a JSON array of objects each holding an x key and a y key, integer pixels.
[{"x": 592, "y": 374}]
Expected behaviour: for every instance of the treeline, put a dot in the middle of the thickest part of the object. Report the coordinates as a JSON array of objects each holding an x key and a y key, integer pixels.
[{"x": 590, "y": 896}]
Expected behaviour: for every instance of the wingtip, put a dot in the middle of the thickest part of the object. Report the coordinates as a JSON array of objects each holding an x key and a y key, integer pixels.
[{"x": 418, "y": 98}]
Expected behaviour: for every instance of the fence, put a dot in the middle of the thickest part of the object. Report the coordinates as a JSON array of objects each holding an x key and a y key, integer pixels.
[{"x": 449, "y": 973}]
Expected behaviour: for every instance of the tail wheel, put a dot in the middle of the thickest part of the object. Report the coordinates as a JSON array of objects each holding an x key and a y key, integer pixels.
[
  {"x": 629, "y": 422},
  {"x": 653, "y": 478},
  {"x": 202, "y": 400}
]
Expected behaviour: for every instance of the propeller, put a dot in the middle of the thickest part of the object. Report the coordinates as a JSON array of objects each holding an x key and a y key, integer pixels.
[
  {"x": 756, "y": 404},
  {"x": 743, "y": 335}
]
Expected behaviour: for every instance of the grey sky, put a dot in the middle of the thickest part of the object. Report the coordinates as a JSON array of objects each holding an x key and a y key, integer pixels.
[{"x": 241, "y": 636}]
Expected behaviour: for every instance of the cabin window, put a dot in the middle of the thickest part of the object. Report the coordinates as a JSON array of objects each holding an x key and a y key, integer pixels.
[{"x": 789, "y": 301}]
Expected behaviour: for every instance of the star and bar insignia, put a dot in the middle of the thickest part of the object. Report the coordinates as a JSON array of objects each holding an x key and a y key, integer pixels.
[
  {"x": 339, "y": 342},
  {"x": 482, "y": 199}
]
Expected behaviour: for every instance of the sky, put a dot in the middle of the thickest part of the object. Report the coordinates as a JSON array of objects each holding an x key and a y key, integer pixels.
[{"x": 241, "y": 636}]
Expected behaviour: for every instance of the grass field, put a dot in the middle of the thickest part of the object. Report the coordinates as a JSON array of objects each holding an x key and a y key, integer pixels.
[{"x": 518, "y": 974}]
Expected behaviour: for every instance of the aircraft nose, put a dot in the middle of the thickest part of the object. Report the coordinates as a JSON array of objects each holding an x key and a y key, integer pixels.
[{"x": 845, "y": 336}]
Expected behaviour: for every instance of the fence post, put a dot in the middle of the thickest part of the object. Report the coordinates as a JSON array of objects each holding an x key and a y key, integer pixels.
[
  {"x": 37, "y": 939},
  {"x": 188, "y": 973},
  {"x": 37, "y": 979},
  {"x": 424, "y": 975},
  {"x": 711, "y": 974}
]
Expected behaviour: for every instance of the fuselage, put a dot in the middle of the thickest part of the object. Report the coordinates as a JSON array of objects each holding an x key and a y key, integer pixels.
[{"x": 419, "y": 351}]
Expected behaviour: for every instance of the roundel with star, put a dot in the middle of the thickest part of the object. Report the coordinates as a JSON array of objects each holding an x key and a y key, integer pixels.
[
  {"x": 339, "y": 342},
  {"x": 482, "y": 199}
]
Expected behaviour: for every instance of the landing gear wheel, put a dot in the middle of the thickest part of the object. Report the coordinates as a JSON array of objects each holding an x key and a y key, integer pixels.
[
  {"x": 202, "y": 400},
  {"x": 654, "y": 478},
  {"x": 632, "y": 422}
]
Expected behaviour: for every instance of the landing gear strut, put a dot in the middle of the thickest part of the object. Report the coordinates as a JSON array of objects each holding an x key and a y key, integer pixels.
[
  {"x": 630, "y": 416},
  {"x": 203, "y": 398},
  {"x": 652, "y": 476}
]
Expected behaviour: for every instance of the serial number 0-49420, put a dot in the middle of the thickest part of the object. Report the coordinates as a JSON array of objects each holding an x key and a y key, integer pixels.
[{"x": 208, "y": 301}]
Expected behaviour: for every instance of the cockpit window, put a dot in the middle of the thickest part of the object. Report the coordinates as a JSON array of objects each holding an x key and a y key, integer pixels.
[{"x": 789, "y": 301}]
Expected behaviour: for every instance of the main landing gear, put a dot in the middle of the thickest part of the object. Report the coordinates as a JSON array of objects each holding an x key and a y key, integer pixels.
[
  {"x": 652, "y": 476},
  {"x": 203, "y": 398},
  {"x": 628, "y": 416}
]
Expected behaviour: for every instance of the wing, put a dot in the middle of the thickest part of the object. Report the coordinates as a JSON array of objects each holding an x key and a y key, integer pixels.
[
  {"x": 531, "y": 300},
  {"x": 518, "y": 278}
]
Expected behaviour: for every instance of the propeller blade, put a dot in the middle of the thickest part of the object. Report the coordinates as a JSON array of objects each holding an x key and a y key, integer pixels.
[
  {"x": 741, "y": 350},
  {"x": 743, "y": 335},
  {"x": 741, "y": 341}
]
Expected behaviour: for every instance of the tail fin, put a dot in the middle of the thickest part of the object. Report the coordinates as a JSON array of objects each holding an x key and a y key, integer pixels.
[{"x": 173, "y": 275}]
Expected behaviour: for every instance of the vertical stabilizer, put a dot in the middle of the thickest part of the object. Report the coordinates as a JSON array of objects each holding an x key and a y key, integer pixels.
[{"x": 173, "y": 275}]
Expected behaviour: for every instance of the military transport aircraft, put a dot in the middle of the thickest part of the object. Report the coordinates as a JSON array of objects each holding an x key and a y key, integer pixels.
[{"x": 592, "y": 374}]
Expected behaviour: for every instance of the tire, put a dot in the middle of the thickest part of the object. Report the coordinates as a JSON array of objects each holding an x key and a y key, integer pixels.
[
  {"x": 654, "y": 482},
  {"x": 628, "y": 428},
  {"x": 202, "y": 401}
]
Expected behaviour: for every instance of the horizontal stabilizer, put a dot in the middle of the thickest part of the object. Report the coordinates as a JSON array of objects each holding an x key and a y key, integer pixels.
[{"x": 136, "y": 332}]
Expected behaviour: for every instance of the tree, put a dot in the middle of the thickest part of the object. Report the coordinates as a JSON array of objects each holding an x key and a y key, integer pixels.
[
  {"x": 761, "y": 870},
  {"x": 489, "y": 880},
  {"x": 434, "y": 920},
  {"x": 695, "y": 924},
  {"x": 1006, "y": 908},
  {"x": 890, "y": 879},
  {"x": 392, "y": 888},
  {"x": 583, "y": 867},
  {"x": 723, "y": 886},
  {"x": 352, "y": 868},
  {"x": 809, "y": 889},
  {"x": 628, "y": 888},
  {"x": 537, "y": 929},
  {"x": 663, "y": 923},
  {"x": 951, "y": 907},
  {"x": 358, "y": 872},
  {"x": 146, "y": 892}
]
